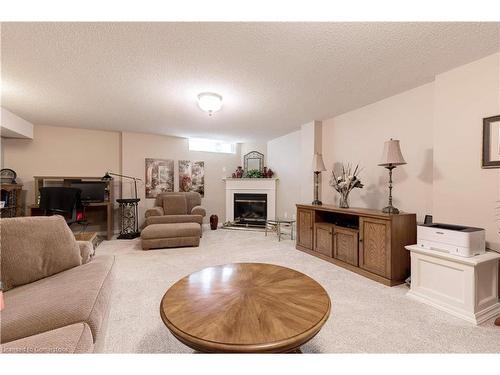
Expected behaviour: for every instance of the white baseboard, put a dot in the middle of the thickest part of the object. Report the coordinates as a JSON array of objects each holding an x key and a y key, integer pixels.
[{"x": 476, "y": 318}]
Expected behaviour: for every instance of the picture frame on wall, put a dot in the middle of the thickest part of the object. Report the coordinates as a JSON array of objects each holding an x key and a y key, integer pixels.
[
  {"x": 159, "y": 176},
  {"x": 491, "y": 142}
]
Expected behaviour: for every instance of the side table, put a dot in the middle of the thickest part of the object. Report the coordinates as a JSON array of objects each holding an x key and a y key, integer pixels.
[{"x": 276, "y": 225}]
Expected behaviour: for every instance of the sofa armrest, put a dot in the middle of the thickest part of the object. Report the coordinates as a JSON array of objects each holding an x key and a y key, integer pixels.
[
  {"x": 198, "y": 210},
  {"x": 155, "y": 211},
  {"x": 169, "y": 219},
  {"x": 86, "y": 250}
]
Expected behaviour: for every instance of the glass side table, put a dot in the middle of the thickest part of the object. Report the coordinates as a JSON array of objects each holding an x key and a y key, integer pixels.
[{"x": 276, "y": 225}]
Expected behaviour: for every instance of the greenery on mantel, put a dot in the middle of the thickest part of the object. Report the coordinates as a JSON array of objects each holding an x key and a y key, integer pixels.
[{"x": 253, "y": 173}]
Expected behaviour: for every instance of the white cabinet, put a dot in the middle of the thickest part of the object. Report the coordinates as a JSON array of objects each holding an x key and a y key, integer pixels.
[{"x": 464, "y": 287}]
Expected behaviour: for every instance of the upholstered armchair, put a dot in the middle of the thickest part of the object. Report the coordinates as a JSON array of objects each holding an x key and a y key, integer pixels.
[{"x": 176, "y": 207}]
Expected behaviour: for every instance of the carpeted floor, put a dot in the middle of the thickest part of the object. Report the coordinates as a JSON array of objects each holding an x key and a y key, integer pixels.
[{"x": 365, "y": 317}]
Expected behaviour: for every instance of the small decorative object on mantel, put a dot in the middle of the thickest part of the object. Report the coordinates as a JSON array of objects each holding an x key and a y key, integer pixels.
[
  {"x": 269, "y": 173},
  {"x": 491, "y": 142},
  {"x": 391, "y": 158},
  {"x": 344, "y": 183},
  {"x": 214, "y": 221},
  {"x": 239, "y": 172}
]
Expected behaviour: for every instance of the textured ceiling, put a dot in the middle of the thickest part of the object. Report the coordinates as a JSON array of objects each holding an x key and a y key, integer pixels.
[{"x": 144, "y": 77}]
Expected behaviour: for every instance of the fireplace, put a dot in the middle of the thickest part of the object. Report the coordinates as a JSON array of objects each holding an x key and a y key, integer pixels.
[{"x": 250, "y": 209}]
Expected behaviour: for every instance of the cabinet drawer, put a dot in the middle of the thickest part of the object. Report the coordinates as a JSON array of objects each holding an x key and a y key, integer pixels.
[
  {"x": 375, "y": 246},
  {"x": 305, "y": 228},
  {"x": 345, "y": 245},
  {"x": 323, "y": 238}
]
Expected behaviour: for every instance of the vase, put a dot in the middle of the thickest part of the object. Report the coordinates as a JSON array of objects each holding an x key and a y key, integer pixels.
[
  {"x": 344, "y": 199},
  {"x": 214, "y": 220}
]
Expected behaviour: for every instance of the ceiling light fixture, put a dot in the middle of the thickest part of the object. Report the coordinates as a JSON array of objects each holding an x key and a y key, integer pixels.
[{"x": 210, "y": 102}]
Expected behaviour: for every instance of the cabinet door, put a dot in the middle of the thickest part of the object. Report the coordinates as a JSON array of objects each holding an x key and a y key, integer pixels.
[
  {"x": 323, "y": 239},
  {"x": 346, "y": 245},
  {"x": 375, "y": 246},
  {"x": 305, "y": 228}
]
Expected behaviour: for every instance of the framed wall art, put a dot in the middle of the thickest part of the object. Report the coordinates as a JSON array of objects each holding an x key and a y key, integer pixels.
[
  {"x": 491, "y": 142},
  {"x": 159, "y": 176},
  {"x": 192, "y": 176}
]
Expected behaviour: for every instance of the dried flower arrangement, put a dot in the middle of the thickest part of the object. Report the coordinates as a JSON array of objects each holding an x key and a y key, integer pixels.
[{"x": 345, "y": 182}]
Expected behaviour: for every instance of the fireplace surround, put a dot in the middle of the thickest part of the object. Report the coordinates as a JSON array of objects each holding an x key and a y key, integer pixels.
[{"x": 256, "y": 190}]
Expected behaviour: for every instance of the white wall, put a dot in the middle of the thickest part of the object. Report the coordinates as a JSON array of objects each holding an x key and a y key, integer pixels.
[
  {"x": 284, "y": 158},
  {"x": 463, "y": 192},
  {"x": 136, "y": 147},
  {"x": 358, "y": 137}
]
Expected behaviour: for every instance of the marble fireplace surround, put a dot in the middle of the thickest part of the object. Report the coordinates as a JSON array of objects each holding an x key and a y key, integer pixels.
[{"x": 251, "y": 186}]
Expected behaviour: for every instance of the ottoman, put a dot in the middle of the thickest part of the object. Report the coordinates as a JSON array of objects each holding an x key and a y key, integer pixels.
[{"x": 170, "y": 235}]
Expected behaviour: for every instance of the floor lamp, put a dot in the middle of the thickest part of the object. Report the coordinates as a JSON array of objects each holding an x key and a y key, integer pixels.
[
  {"x": 128, "y": 210},
  {"x": 391, "y": 158},
  {"x": 318, "y": 167}
]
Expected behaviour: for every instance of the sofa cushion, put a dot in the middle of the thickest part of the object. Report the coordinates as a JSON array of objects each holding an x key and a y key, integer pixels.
[
  {"x": 175, "y": 204},
  {"x": 75, "y": 338},
  {"x": 80, "y": 294},
  {"x": 166, "y": 219},
  {"x": 36, "y": 247},
  {"x": 171, "y": 231}
]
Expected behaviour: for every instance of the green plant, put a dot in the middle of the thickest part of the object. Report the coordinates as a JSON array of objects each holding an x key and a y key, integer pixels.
[{"x": 253, "y": 173}]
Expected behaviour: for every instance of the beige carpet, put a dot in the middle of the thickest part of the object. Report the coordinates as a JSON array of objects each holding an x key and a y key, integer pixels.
[{"x": 365, "y": 317}]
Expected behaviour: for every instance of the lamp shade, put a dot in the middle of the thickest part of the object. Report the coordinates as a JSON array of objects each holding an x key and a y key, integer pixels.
[
  {"x": 392, "y": 154},
  {"x": 318, "y": 164}
]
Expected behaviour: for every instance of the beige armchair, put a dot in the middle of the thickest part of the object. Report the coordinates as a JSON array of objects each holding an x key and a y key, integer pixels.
[{"x": 176, "y": 207}]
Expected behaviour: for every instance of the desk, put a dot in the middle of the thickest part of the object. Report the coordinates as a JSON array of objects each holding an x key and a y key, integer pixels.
[{"x": 97, "y": 213}]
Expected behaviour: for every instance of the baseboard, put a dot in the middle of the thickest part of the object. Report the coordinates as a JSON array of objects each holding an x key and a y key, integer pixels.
[{"x": 474, "y": 318}]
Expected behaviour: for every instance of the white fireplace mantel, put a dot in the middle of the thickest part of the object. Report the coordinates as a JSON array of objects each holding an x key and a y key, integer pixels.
[{"x": 251, "y": 186}]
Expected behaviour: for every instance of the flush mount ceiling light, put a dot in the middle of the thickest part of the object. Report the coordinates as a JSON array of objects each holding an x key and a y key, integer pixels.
[{"x": 210, "y": 102}]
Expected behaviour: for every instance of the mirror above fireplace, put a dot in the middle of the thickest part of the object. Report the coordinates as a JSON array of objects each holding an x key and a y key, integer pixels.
[{"x": 253, "y": 160}]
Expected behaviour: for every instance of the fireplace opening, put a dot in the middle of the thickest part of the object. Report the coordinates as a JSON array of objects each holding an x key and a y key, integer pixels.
[{"x": 250, "y": 209}]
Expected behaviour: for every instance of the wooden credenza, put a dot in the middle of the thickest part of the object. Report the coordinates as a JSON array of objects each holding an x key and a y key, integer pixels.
[{"x": 368, "y": 242}]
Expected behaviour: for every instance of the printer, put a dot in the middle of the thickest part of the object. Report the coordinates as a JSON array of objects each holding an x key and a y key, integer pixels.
[{"x": 453, "y": 239}]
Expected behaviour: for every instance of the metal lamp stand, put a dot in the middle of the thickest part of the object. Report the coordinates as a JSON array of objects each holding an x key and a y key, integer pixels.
[
  {"x": 316, "y": 201},
  {"x": 129, "y": 211},
  {"x": 390, "y": 209}
]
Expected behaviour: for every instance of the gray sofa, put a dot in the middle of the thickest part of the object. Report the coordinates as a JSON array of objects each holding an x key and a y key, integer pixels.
[{"x": 56, "y": 295}]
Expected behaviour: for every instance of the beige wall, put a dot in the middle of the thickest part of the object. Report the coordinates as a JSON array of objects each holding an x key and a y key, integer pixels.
[
  {"x": 463, "y": 192},
  {"x": 284, "y": 159},
  {"x": 136, "y": 147},
  {"x": 57, "y": 151},
  {"x": 358, "y": 137}
]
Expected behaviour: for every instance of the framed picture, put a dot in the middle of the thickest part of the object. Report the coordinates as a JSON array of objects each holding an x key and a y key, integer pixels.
[
  {"x": 192, "y": 176},
  {"x": 159, "y": 176},
  {"x": 491, "y": 142}
]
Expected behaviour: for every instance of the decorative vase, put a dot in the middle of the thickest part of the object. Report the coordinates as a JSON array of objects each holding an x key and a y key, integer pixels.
[
  {"x": 214, "y": 220},
  {"x": 344, "y": 199}
]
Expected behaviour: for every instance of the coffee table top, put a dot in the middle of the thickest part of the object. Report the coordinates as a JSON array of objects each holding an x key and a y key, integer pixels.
[{"x": 245, "y": 307}]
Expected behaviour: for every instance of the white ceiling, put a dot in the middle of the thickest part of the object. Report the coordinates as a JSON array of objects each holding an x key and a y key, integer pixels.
[{"x": 144, "y": 77}]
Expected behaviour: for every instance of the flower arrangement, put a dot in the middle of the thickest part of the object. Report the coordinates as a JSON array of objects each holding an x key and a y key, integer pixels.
[{"x": 345, "y": 182}]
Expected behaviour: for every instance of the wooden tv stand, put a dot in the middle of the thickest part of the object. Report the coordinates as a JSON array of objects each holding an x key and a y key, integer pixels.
[{"x": 368, "y": 242}]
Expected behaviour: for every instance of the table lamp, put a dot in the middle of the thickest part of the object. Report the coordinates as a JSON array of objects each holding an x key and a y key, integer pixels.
[
  {"x": 391, "y": 158},
  {"x": 318, "y": 167}
]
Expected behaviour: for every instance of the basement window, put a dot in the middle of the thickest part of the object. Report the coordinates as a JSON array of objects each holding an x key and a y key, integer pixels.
[{"x": 211, "y": 145}]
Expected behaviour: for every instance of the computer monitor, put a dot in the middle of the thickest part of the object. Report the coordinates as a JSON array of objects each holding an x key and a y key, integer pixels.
[{"x": 92, "y": 191}]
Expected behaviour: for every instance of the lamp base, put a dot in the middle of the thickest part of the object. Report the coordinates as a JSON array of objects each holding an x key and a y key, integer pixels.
[
  {"x": 317, "y": 202},
  {"x": 128, "y": 236},
  {"x": 390, "y": 210}
]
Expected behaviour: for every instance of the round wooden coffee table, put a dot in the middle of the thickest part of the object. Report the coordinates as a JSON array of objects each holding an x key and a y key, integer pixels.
[{"x": 245, "y": 308}]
